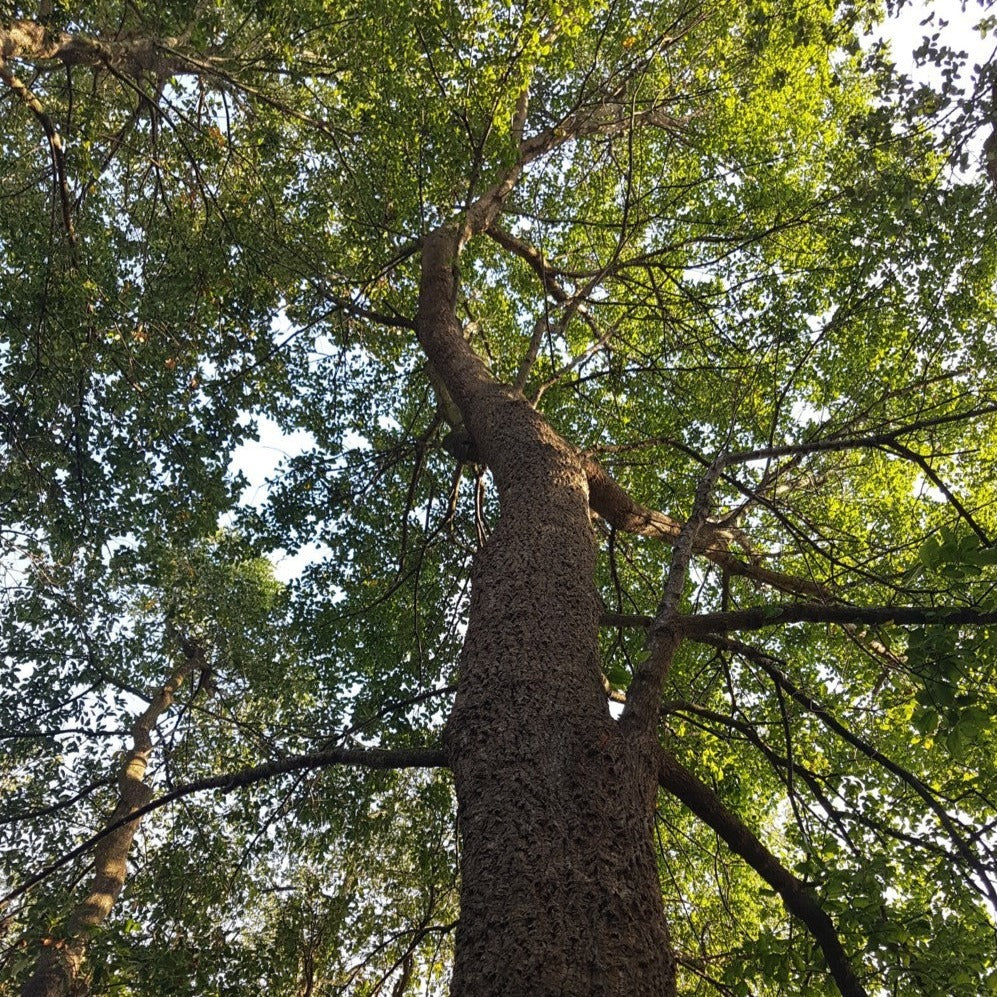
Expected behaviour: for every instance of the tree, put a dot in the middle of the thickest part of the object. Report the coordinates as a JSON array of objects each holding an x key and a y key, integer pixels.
[{"x": 644, "y": 643}]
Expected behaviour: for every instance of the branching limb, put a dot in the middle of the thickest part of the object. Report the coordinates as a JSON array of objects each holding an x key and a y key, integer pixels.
[
  {"x": 56, "y": 148},
  {"x": 611, "y": 501},
  {"x": 58, "y": 965},
  {"x": 783, "y": 682},
  {"x": 536, "y": 260},
  {"x": 665, "y": 636},
  {"x": 573, "y": 302},
  {"x": 798, "y": 898},
  {"x": 838, "y": 444}
]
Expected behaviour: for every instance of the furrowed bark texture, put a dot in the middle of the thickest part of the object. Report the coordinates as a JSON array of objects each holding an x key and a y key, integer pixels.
[{"x": 559, "y": 884}]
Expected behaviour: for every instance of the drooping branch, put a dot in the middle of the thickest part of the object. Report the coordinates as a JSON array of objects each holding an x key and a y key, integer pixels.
[
  {"x": 928, "y": 842},
  {"x": 56, "y": 147},
  {"x": 372, "y": 758},
  {"x": 784, "y": 683},
  {"x": 932, "y": 475},
  {"x": 800, "y": 901}
]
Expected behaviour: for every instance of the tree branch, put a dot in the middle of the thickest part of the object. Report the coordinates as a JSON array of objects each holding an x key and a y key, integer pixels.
[
  {"x": 835, "y": 444},
  {"x": 644, "y": 693},
  {"x": 56, "y": 148},
  {"x": 134, "y": 55},
  {"x": 945, "y": 820},
  {"x": 759, "y": 617},
  {"x": 58, "y": 966},
  {"x": 372, "y": 758},
  {"x": 800, "y": 901},
  {"x": 611, "y": 501}
]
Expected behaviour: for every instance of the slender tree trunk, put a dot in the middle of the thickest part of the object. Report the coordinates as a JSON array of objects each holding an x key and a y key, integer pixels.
[
  {"x": 57, "y": 969},
  {"x": 559, "y": 883}
]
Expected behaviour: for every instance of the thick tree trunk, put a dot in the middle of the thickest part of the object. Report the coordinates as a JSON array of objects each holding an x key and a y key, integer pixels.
[
  {"x": 559, "y": 883},
  {"x": 559, "y": 886}
]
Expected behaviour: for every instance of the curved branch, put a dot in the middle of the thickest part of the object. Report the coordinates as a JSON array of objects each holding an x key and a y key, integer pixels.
[
  {"x": 800, "y": 901},
  {"x": 56, "y": 147},
  {"x": 58, "y": 966},
  {"x": 908, "y": 778},
  {"x": 372, "y": 758}
]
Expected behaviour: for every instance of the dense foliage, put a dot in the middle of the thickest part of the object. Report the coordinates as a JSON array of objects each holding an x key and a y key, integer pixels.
[{"x": 743, "y": 231}]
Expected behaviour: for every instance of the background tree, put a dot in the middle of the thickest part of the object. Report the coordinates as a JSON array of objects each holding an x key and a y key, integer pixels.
[{"x": 643, "y": 354}]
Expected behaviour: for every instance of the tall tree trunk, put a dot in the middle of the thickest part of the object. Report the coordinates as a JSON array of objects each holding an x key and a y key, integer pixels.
[{"x": 559, "y": 884}]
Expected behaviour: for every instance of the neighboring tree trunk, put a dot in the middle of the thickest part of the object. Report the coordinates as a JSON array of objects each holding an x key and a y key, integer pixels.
[
  {"x": 57, "y": 970},
  {"x": 559, "y": 884}
]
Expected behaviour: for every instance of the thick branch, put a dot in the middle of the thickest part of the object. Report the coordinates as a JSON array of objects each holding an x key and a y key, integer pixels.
[
  {"x": 798, "y": 898},
  {"x": 56, "y": 147},
  {"x": 644, "y": 694},
  {"x": 615, "y": 505},
  {"x": 132, "y": 55}
]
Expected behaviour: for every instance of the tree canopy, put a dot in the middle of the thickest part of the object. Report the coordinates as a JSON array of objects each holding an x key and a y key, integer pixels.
[{"x": 740, "y": 269}]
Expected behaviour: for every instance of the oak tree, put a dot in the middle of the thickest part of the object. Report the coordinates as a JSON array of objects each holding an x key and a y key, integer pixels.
[{"x": 632, "y": 624}]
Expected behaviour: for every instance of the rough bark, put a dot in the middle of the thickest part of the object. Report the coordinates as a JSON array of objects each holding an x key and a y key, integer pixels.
[
  {"x": 559, "y": 883},
  {"x": 129, "y": 54}
]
